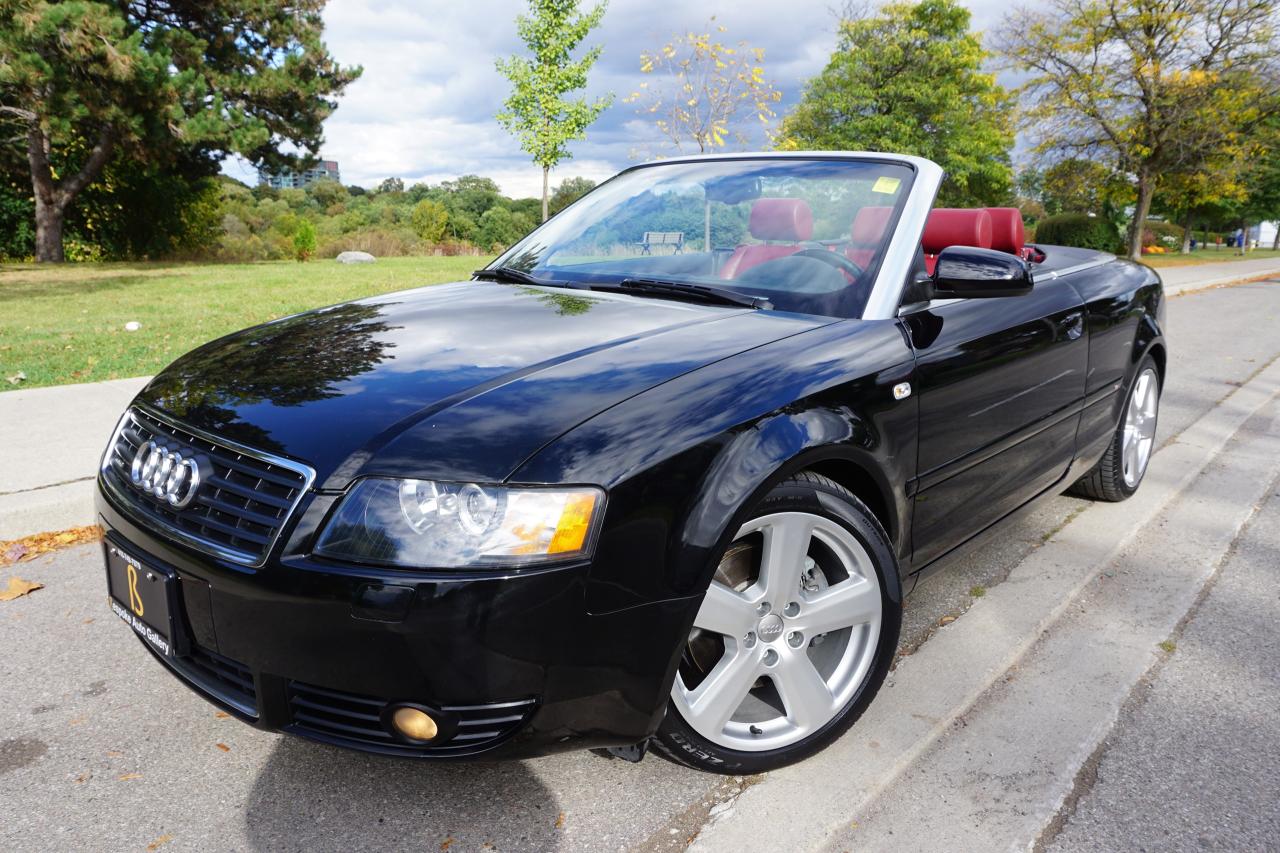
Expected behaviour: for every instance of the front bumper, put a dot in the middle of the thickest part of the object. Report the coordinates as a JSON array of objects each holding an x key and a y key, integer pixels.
[{"x": 516, "y": 664}]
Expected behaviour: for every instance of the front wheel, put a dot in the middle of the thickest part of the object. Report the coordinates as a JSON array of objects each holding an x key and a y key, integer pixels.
[{"x": 794, "y": 637}]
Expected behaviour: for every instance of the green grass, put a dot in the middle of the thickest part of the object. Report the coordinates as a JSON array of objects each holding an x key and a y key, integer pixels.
[
  {"x": 66, "y": 323},
  {"x": 1207, "y": 256}
]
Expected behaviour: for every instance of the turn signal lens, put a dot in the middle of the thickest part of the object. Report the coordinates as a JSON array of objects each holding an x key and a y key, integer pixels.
[
  {"x": 414, "y": 723},
  {"x": 574, "y": 525}
]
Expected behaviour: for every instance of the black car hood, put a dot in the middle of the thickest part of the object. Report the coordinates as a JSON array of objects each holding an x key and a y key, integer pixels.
[{"x": 459, "y": 381}]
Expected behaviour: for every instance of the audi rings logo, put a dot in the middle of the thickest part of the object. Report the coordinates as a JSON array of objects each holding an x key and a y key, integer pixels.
[{"x": 165, "y": 474}]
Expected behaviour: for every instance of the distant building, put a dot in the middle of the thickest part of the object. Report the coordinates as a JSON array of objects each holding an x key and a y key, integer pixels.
[{"x": 325, "y": 170}]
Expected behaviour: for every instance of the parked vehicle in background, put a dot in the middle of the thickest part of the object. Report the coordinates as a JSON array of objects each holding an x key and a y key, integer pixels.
[{"x": 606, "y": 497}]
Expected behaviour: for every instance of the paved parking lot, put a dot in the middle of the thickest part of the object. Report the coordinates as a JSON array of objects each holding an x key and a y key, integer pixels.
[{"x": 101, "y": 749}]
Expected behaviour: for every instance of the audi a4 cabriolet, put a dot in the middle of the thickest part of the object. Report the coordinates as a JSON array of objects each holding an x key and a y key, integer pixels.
[{"x": 660, "y": 475}]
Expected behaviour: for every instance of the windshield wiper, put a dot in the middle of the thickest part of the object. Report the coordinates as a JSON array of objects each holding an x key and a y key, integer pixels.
[
  {"x": 704, "y": 292},
  {"x": 511, "y": 274}
]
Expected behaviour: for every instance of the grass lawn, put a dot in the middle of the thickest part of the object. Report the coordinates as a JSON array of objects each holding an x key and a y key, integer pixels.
[
  {"x": 1207, "y": 256},
  {"x": 66, "y": 323}
]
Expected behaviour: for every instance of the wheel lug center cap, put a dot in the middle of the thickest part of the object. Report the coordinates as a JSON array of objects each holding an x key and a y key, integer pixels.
[{"x": 770, "y": 628}]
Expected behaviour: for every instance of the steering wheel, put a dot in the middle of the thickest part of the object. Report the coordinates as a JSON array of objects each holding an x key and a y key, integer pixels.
[{"x": 833, "y": 258}]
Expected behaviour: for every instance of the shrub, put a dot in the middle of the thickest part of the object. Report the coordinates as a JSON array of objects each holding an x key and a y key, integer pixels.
[
  {"x": 304, "y": 241},
  {"x": 1161, "y": 233},
  {"x": 1077, "y": 229}
]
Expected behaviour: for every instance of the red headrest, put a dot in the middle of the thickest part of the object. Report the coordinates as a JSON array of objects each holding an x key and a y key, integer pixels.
[
  {"x": 953, "y": 226},
  {"x": 781, "y": 219},
  {"x": 868, "y": 226},
  {"x": 1007, "y": 234}
]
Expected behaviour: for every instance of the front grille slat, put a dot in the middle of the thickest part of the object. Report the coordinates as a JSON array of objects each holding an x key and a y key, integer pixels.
[
  {"x": 354, "y": 720},
  {"x": 243, "y": 501}
]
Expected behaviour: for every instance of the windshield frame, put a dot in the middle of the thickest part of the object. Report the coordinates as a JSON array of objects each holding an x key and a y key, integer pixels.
[{"x": 897, "y": 258}]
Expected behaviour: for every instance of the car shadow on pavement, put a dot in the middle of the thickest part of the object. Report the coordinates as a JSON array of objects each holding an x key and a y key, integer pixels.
[{"x": 310, "y": 796}]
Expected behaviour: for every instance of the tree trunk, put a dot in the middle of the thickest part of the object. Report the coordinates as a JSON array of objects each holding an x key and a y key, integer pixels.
[
  {"x": 545, "y": 170},
  {"x": 1275, "y": 244},
  {"x": 49, "y": 219},
  {"x": 53, "y": 198},
  {"x": 1187, "y": 224},
  {"x": 1146, "y": 190}
]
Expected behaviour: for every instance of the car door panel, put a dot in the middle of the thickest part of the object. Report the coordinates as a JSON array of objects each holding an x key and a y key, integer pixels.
[{"x": 1000, "y": 384}]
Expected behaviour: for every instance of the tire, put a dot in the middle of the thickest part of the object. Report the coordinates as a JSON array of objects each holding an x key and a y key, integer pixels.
[
  {"x": 1117, "y": 476},
  {"x": 808, "y": 587}
]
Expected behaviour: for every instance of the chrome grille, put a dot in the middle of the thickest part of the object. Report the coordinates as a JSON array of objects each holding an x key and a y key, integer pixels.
[{"x": 241, "y": 505}]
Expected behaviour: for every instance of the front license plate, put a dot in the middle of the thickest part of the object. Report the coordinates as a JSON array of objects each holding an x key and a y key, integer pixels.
[{"x": 140, "y": 596}]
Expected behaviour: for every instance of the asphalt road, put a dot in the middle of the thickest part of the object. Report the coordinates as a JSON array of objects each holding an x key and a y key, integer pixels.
[{"x": 101, "y": 749}]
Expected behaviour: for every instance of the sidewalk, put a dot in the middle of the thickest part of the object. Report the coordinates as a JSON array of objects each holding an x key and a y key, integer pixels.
[
  {"x": 52, "y": 438},
  {"x": 1200, "y": 276}
]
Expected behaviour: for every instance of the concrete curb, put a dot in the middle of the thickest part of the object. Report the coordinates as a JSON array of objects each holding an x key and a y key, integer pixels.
[
  {"x": 933, "y": 689},
  {"x": 1172, "y": 290}
]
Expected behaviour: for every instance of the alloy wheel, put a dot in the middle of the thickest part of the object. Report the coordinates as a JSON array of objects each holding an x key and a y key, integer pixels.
[
  {"x": 1140, "y": 427},
  {"x": 785, "y": 636}
]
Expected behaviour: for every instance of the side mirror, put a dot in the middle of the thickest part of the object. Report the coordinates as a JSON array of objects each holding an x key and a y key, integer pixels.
[{"x": 967, "y": 272}]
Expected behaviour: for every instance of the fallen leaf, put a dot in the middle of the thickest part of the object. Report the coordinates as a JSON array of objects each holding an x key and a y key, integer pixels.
[
  {"x": 30, "y": 547},
  {"x": 77, "y": 721},
  {"x": 946, "y": 620},
  {"x": 83, "y": 777},
  {"x": 223, "y": 747},
  {"x": 221, "y": 715},
  {"x": 130, "y": 776},
  {"x": 88, "y": 621},
  {"x": 164, "y": 839},
  {"x": 18, "y": 588},
  {"x": 560, "y": 821},
  {"x": 111, "y": 753},
  {"x": 447, "y": 843}
]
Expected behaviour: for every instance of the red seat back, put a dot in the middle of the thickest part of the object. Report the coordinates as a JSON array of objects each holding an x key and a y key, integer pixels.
[
  {"x": 788, "y": 219},
  {"x": 866, "y": 233},
  {"x": 1007, "y": 233},
  {"x": 954, "y": 226}
]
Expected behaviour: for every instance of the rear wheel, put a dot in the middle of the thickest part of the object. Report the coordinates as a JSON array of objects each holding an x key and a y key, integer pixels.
[
  {"x": 793, "y": 638},
  {"x": 1120, "y": 470}
]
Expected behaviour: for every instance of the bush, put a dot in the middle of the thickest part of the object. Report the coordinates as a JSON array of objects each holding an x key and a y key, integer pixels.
[
  {"x": 1079, "y": 230},
  {"x": 1157, "y": 233},
  {"x": 304, "y": 241}
]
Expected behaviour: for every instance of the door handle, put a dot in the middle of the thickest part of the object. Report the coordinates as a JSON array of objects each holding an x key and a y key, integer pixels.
[{"x": 1072, "y": 326}]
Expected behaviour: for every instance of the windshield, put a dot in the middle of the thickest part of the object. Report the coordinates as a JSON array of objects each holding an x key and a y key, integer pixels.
[{"x": 805, "y": 235}]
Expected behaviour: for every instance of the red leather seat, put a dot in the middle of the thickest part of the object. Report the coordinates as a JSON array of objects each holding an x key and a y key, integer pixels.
[
  {"x": 866, "y": 233},
  {"x": 783, "y": 219},
  {"x": 1007, "y": 233},
  {"x": 954, "y": 226}
]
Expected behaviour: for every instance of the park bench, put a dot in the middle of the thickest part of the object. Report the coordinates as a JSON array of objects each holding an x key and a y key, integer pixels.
[{"x": 675, "y": 239}]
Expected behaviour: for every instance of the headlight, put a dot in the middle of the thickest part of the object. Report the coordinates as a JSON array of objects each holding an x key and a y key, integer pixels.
[{"x": 426, "y": 524}]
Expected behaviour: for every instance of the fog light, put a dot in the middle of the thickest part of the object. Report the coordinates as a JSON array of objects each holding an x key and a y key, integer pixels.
[{"x": 414, "y": 724}]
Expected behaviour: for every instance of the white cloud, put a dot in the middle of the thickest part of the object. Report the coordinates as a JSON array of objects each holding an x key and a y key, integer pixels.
[{"x": 424, "y": 107}]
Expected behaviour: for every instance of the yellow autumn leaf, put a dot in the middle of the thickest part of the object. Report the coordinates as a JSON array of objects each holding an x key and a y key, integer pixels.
[{"x": 17, "y": 588}]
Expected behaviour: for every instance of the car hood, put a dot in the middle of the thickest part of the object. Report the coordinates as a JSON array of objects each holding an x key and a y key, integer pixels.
[{"x": 460, "y": 381}]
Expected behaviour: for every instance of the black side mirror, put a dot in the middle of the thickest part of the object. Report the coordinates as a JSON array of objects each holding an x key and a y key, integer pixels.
[{"x": 967, "y": 272}]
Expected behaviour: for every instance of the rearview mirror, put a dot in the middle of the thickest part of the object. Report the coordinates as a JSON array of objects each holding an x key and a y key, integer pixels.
[{"x": 967, "y": 272}]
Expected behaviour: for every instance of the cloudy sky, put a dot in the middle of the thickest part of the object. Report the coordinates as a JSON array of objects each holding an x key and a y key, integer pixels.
[{"x": 423, "y": 110}]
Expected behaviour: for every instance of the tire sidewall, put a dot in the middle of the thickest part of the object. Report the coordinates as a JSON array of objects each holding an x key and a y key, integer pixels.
[{"x": 819, "y": 497}]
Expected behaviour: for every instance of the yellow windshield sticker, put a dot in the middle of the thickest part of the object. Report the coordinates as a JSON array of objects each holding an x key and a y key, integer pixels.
[{"x": 886, "y": 184}]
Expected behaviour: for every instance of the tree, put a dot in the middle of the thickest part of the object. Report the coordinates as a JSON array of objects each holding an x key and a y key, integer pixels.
[
  {"x": 537, "y": 110},
  {"x": 430, "y": 219},
  {"x": 909, "y": 79},
  {"x": 569, "y": 191},
  {"x": 86, "y": 80},
  {"x": 1074, "y": 185},
  {"x": 500, "y": 227},
  {"x": 304, "y": 241},
  {"x": 391, "y": 185},
  {"x": 1154, "y": 88},
  {"x": 702, "y": 90}
]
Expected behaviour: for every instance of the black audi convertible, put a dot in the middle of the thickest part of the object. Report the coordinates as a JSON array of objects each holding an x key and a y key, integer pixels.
[{"x": 660, "y": 475}]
